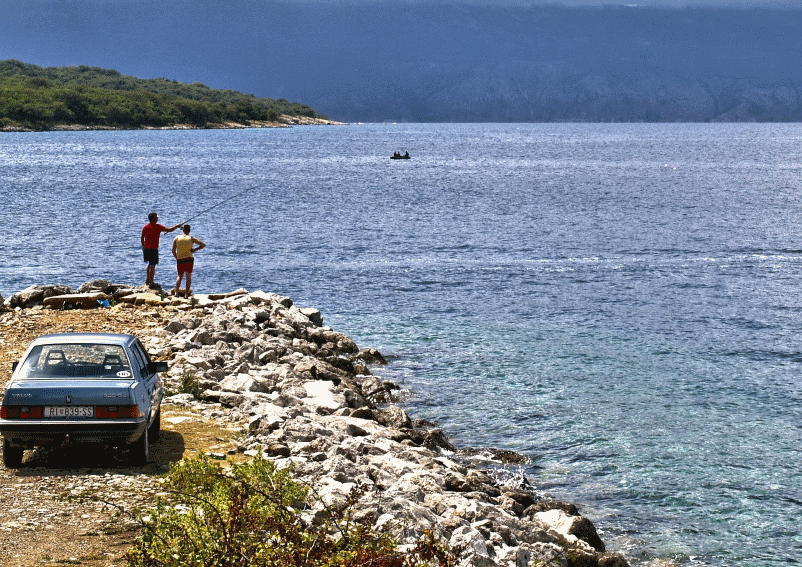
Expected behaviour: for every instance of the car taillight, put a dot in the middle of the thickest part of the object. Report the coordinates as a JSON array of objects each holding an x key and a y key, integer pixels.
[
  {"x": 116, "y": 412},
  {"x": 21, "y": 412},
  {"x": 32, "y": 412}
]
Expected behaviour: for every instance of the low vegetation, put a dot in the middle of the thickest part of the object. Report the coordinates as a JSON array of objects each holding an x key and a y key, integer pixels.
[
  {"x": 43, "y": 98},
  {"x": 256, "y": 515}
]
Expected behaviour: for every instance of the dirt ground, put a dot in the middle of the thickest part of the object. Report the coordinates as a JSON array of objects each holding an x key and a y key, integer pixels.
[
  {"x": 17, "y": 329},
  {"x": 38, "y": 524}
]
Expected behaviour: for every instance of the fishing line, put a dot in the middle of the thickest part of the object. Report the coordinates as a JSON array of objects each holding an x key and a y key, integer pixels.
[{"x": 226, "y": 200}]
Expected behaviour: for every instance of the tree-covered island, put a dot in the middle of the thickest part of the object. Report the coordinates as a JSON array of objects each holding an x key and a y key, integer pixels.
[{"x": 37, "y": 98}]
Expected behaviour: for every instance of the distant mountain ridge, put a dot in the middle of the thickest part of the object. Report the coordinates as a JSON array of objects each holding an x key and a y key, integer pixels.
[
  {"x": 559, "y": 64},
  {"x": 451, "y": 62}
]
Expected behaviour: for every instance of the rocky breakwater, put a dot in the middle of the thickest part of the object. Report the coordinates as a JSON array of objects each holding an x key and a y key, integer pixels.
[{"x": 307, "y": 399}]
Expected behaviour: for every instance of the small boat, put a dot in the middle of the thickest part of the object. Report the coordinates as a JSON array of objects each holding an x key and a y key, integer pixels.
[{"x": 397, "y": 155}]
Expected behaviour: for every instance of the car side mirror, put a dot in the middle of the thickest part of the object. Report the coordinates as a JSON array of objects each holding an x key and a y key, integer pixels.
[
  {"x": 154, "y": 367},
  {"x": 14, "y": 366}
]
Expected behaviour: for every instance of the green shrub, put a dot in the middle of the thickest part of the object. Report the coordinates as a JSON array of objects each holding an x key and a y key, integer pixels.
[
  {"x": 46, "y": 97},
  {"x": 189, "y": 383},
  {"x": 253, "y": 515}
]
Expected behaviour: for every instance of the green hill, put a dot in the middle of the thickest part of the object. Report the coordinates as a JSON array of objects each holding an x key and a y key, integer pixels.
[{"x": 40, "y": 98}]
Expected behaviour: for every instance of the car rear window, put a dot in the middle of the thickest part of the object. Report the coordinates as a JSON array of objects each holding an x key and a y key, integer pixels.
[{"x": 76, "y": 361}]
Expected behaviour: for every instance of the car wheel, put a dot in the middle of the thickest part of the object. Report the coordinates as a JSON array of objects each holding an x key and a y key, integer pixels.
[
  {"x": 156, "y": 427},
  {"x": 140, "y": 449},
  {"x": 12, "y": 456}
]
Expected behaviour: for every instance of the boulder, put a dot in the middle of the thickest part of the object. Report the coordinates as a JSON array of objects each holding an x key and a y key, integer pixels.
[
  {"x": 146, "y": 298},
  {"x": 303, "y": 431},
  {"x": 249, "y": 352},
  {"x": 470, "y": 547},
  {"x": 313, "y": 315},
  {"x": 246, "y": 383},
  {"x": 393, "y": 416},
  {"x": 104, "y": 286},
  {"x": 83, "y": 300},
  {"x": 276, "y": 449},
  {"x": 36, "y": 294},
  {"x": 407, "y": 521},
  {"x": 220, "y": 296},
  {"x": 322, "y": 370},
  {"x": 263, "y": 298},
  {"x": 540, "y": 553},
  {"x": 370, "y": 356},
  {"x": 574, "y": 528},
  {"x": 295, "y": 317},
  {"x": 376, "y": 390},
  {"x": 612, "y": 560},
  {"x": 320, "y": 393}
]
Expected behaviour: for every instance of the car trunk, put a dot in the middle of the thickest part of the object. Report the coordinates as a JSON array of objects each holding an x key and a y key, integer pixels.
[{"x": 70, "y": 393}]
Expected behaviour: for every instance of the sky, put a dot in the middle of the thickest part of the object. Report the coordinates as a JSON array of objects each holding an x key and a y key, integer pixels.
[
  {"x": 774, "y": 4},
  {"x": 785, "y": 4},
  {"x": 662, "y": 3}
]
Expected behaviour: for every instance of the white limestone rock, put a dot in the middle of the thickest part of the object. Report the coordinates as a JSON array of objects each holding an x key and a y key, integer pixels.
[
  {"x": 577, "y": 530},
  {"x": 470, "y": 547},
  {"x": 320, "y": 393},
  {"x": 245, "y": 383}
]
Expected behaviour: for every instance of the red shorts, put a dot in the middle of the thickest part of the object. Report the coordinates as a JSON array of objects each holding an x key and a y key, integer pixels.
[{"x": 185, "y": 265}]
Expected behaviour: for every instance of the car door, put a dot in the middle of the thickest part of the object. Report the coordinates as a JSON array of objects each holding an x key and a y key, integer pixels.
[{"x": 151, "y": 383}]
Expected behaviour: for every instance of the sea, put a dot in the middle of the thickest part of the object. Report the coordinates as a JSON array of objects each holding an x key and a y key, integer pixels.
[{"x": 620, "y": 303}]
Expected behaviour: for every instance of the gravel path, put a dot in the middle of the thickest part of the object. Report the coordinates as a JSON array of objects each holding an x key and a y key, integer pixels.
[{"x": 38, "y": 527}]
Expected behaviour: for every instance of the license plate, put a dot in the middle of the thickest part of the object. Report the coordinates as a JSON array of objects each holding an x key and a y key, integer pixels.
[{"x": 69, "y": 411}]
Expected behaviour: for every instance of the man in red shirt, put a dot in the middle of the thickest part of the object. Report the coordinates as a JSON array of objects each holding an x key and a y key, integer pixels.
[{"x": 150, "y": 244}]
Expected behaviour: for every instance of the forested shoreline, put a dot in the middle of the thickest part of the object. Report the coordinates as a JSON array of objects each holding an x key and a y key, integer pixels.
[{"x": 46, "y": 98}]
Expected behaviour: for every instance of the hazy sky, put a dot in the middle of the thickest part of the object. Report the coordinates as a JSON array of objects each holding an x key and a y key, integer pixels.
[
  {"x": 796, "y": 4},
  {"x": 785, "y": 4},
  {"x": 663, "y": 3}
]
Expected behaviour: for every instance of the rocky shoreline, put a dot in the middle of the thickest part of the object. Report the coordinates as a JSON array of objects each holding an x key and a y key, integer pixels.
[
  {"x": 307, "y": 398},
  {"x": 283, "y": 121}
]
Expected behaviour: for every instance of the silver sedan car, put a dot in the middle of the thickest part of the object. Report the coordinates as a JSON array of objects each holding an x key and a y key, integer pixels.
[{"x": 82, "y": 388}]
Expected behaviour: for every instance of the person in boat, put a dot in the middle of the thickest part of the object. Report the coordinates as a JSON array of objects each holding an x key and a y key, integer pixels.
[
  {"x": 396, "y": 154},
  {"x": 406, "y": 155}
]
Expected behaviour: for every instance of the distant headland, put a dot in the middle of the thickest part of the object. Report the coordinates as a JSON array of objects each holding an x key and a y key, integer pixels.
[{"x": 90, "y": 98}]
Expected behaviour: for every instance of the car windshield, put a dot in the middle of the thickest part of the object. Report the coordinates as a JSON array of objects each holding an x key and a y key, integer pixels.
[{"x": 81, "y": 360}]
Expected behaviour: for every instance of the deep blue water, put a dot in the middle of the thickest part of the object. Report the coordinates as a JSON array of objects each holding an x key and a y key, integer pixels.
[{"x": 621, "y": 303}]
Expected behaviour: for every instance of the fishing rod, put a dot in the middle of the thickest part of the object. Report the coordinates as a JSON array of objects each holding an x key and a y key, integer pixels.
[{"x": 226, "y": 200}]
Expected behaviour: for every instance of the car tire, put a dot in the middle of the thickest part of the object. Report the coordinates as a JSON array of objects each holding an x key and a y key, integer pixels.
[
  {"x": 140, "y": 450},
  {"x": 12, "y": 456},
  {"x": 156, "y": 427}
]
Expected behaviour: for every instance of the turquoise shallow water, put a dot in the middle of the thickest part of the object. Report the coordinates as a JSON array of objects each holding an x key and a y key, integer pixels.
[{"x": 618, "y": 302}]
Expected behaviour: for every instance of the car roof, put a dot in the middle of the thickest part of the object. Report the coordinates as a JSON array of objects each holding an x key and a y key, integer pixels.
[{"x": 102, "y": 338}]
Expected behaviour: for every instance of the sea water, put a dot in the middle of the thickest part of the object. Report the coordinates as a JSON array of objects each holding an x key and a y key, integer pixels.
[{"x": 620, "y": 303}]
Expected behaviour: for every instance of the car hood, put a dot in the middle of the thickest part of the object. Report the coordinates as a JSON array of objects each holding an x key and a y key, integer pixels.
[{"x": 69, "y": 392}]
